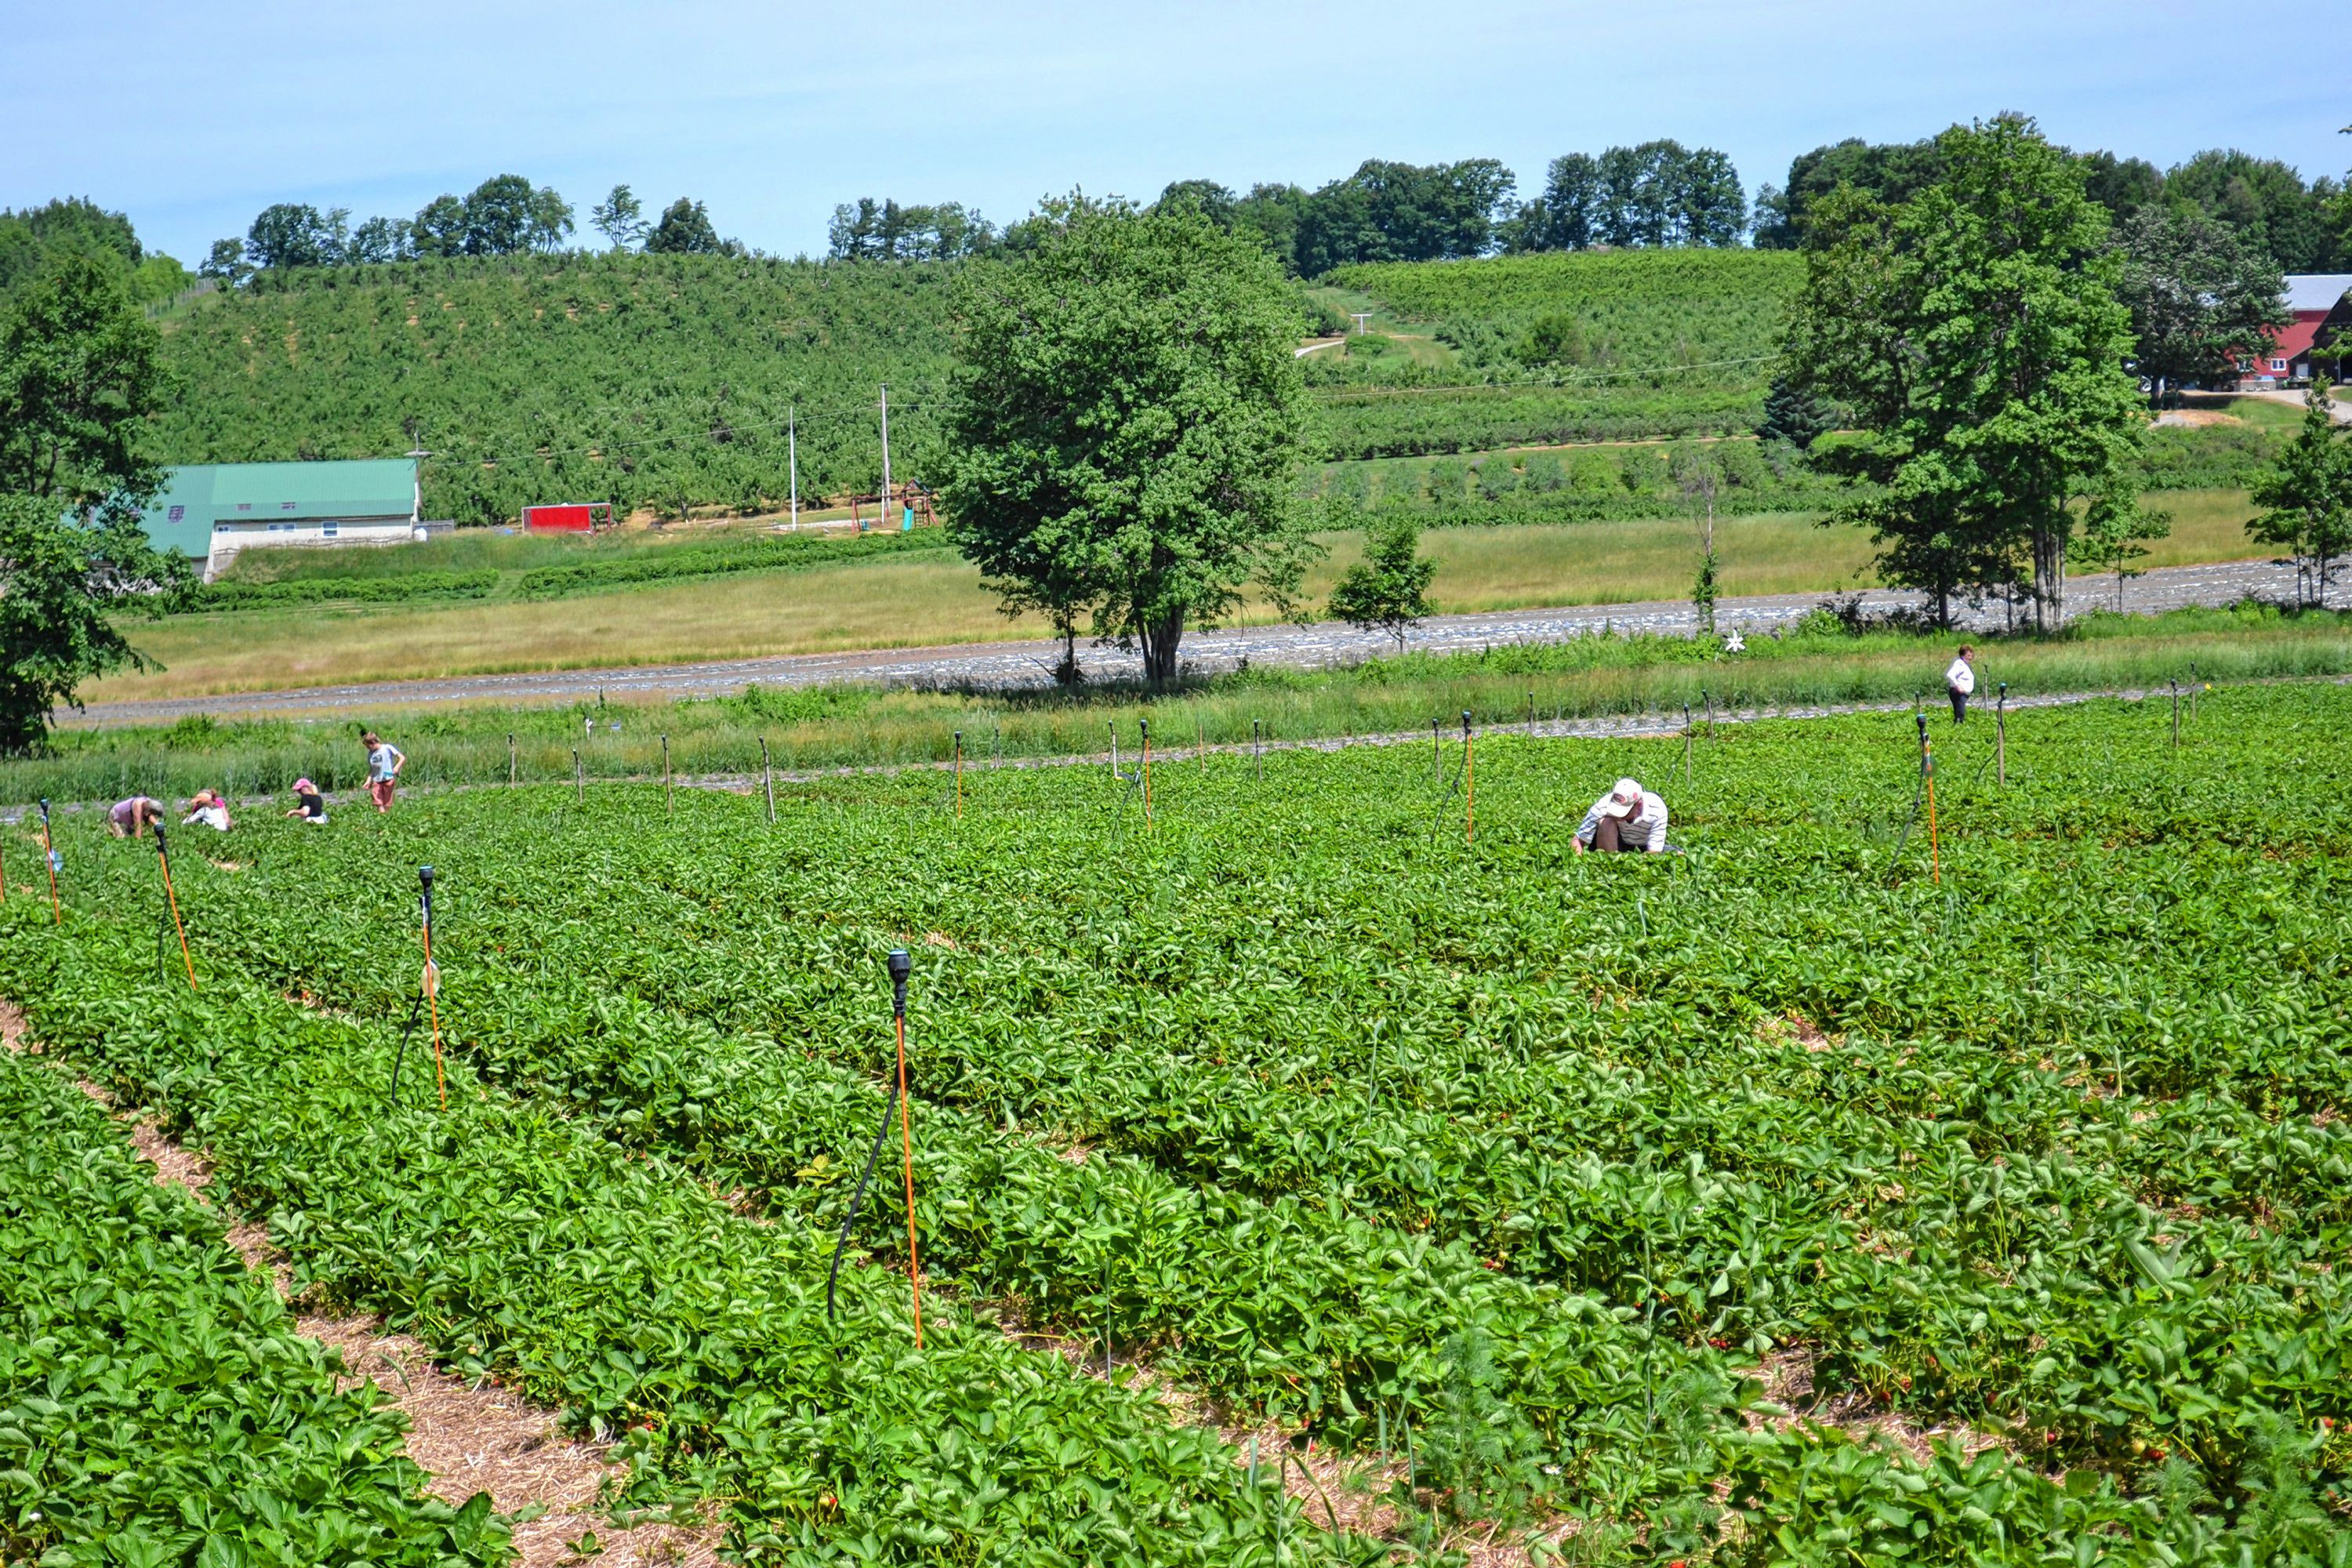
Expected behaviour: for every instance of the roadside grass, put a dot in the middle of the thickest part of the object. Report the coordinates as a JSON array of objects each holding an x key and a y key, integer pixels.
[
  {"x": 843, "y": 726},
  {"x": 935, "y": 600}
]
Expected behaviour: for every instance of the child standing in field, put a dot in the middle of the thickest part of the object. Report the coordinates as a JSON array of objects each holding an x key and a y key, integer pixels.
[
  {"x": 384, "y": 763},
  {"x": 1961, "y": 680}
]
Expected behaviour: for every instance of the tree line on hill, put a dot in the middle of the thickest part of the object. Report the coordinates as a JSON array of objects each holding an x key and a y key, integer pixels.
[
  {"x": 2304, "y": 227},
  {"x": 503, "y": 215},
  {"x": 1658, "y": 193}
]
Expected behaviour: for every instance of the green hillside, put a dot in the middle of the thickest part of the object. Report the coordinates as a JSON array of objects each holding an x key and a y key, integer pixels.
[
  {"x": 646, "y": 380},
  {"x": 665, "y": 381},
  {"x": 1636, "y": 309},
  {"x": 1569, "y": 346}
]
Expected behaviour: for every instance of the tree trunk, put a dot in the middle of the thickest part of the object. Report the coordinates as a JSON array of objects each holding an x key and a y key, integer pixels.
[
  {"x": 2049, "y": 579},
  {"x": 1160, "y": 638}
]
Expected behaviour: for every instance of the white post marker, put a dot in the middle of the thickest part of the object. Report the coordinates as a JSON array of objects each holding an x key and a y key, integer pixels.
[{"x": 885, "y": 453}]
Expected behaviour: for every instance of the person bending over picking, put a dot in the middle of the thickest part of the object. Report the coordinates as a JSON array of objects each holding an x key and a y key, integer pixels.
[
  {"x": 1961, "y": 680},
  {"x": 308, "y": 803},
  {"x": 208, "y": 807},
  {"x": 384, "y": 763},
  {"x": 131, "y": 818},
  {"x": 1627, "y": 818}
]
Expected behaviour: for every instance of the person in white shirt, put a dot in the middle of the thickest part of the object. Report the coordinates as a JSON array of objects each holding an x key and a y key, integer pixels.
[
  {"x": 1627, "y": 818},
  {"x": 1961, "y": 680},
  {"x": 384, "y": 763},
  {"x": 208, "y": 808}
]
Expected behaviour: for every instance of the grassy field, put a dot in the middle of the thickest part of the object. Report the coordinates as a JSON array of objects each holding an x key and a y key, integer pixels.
[
  {"x": 834, "y": 726},
  {"x": 936, "y": 599}
]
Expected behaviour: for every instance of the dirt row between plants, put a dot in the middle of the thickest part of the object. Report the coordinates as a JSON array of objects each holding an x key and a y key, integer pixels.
[{"x": 468, "y": 1437}]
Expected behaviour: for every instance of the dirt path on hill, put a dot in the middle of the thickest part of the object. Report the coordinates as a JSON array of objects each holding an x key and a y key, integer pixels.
[{"x": 1006, "y": 666}]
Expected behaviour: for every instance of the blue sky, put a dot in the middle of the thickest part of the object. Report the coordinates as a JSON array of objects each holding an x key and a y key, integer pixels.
[{"x": 194, "y": 118}]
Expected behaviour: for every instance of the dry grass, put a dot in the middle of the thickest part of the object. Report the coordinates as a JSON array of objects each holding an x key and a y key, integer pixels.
[
  {"x": 468, "y": 1437},
  {"x": 1787, "y": 1378},
  {"x": 939, "y": 600}
]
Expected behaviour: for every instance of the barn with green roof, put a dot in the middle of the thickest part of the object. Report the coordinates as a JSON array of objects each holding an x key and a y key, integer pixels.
[{"x": 209, "y": 512}]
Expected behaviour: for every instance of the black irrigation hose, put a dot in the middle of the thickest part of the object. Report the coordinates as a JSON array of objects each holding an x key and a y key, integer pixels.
[
  {"x": 414, "y": 1009},
  {"x": 889, "y": 1103},
  {"x": 1917, "y": 796},
  {"x": 1453, "y": 787}
]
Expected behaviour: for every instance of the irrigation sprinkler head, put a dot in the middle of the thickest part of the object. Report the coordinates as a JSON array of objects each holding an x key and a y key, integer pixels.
[
  {"x": 1143, "y": 726},
  {"x": 160, "y": 847},
  {"x": 902, "y": 964},
  {"x": 425, "y": 877},
  {"x": 1465, "y": 722},
  {"x": 1922, "y": 718}
]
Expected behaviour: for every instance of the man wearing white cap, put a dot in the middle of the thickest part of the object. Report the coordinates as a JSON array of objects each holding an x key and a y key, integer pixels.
[{"x": 1628, "y": 817}]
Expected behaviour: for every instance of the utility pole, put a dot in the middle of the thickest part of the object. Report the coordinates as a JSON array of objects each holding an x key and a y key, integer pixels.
[
  {"x": 793, "y": 457},
  {"x": 885, "y": 453}
]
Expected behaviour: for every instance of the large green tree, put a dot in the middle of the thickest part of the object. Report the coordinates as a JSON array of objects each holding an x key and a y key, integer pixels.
[
  {"x": 684, "y": 230},
  {"x": 2307, "y": 499},
  {"x": 2200, "y": 296},
  {"x": 1126, "y": 423},
  {"x": 78, "y": 378},
  {"x": 1974, "y": 336}
]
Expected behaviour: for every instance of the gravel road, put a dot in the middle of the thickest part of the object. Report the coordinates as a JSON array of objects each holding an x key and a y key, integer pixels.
[{"x": 1011, "y": 665}]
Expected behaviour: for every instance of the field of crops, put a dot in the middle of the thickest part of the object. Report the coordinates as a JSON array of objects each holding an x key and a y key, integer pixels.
[{"x": 1543, "y": 1195}]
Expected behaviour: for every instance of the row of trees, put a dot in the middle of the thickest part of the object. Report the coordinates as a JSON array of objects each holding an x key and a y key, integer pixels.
[
  {"x": 869, "y": 230},
  {"x": 503, "y": 215},
  {"x": 1980, "y": 335},
  {"x": 1660, "y": 192},
  {"x": 2265, "y": 203},
  {"x": 1657, "y": 194}
]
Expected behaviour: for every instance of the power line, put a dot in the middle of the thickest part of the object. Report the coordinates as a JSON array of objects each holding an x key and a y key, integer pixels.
[{"x": 701, "y": 429}]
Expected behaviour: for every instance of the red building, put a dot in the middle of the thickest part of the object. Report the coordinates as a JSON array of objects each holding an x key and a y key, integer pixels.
[{"x": 2320, "y": 313}]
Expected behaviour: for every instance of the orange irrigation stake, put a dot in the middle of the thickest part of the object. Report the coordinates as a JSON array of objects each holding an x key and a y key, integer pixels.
[
  {"x": 432, "y": 982},
  {"x": 49, "y": 858},
  {"x": 1927, "y": 778},
  {"x": 163, "y": 858}
]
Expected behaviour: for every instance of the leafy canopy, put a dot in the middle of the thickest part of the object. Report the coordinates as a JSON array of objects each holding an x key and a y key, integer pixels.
[
  {"x": 1387, "y": 590},
  {"x": 2200, "y": 296},
  {"x": 1974, "y": 334},
  {"x": 1126, "y": 423},
  {"x": 2306, "y": 501},
  {"x": 78, "y": 378}
]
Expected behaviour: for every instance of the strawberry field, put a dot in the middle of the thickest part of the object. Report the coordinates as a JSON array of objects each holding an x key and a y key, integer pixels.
[{"x": 1820, "y": 1195}]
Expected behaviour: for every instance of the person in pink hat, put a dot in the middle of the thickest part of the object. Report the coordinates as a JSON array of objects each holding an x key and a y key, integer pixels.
[
  {"x": 308, "y": 803},
  {"x": 207, "y": 808}
]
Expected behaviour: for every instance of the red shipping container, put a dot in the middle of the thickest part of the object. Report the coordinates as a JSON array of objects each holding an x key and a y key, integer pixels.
[{"x": 575, "y": 518}]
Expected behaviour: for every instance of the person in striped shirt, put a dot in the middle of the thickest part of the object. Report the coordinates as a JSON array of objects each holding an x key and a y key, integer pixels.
[{"x": 1627, "y": 818}]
